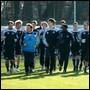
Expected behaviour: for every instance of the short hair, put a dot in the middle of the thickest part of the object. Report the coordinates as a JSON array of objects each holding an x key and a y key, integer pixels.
[
  {"x": 65, "y": 26},
  {"x": 75, "y": 23},
  {"x": 18, "y": 22},
  {"x": 63, "y": 21},
  {"x": 29, "y": 24},
  {"x": 44, "y": 22},
  {"x": 86, "y": 22},
  {"x": 10, "y": 22},
  {"x": 34, "y": 21},
  {"x": 52, "y": 20}
]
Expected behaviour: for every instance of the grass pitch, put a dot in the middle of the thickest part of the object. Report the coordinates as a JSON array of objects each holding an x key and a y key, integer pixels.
[{"x": 41, "y": 80}]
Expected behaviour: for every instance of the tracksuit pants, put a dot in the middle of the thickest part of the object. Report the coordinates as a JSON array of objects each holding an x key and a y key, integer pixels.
[
  {"x": 64, "y": 57},
  {"x": 28, "y": 60},
  {"x": 50, "y": 58}
]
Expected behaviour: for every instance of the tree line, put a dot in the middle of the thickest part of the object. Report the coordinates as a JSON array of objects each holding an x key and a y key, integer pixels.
[{"x": 42, "y": 10}]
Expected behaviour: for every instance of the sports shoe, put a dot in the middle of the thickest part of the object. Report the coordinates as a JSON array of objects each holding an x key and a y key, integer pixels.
[
  {"x": 60, "y": 68},
  {"x": 42, "y": 67},
  {"x": 88, "y": 68},
  {"x": 27, "y": 74},
  {"x": 80, "y": 67},
  {"x": 8, "y": 73},
  {"x": 17, "y": 69},
  {"x": 54, "y": 68},
  {"x": 64, "y": 71},
  {"x": 32, "y": 70},
  {"x": 76, "y": 68},
  {"x": 50, "y": 72},
  {"x": 47, "y": 70},
  {"x": 12, "y": 70},
  {"x": 85, "y": 71}
]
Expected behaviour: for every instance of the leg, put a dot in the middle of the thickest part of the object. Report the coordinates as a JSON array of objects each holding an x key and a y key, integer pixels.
[
  {"x": 55, "y": 63},
  {"x": 77, "y": 59},
  {"x": 86, "y": 61},
  {"x": 6, "y": 57},
  {"x": 12, "y": 64},
  {"x": 26, "y": 62},
  {"x": 82, "y": 59},
  {"x": 66, "y": 61},
  {"x": 52, "y": 51},
  {"x": 61, "y": 60},
  {"x": 42, "y": 56},
  {"x": 73, "y": 63},
  {"x": 18, "y": 53},
  {"x": 47, "y": 59},
  {"x": 18, "y": 60},
  {"x": 7, "y": 64},
  {"x": 31, "y": 59}
]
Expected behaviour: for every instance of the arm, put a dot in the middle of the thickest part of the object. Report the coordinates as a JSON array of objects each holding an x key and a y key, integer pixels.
[
  {"x": 44, "y": 40},
  {"x": 22, "y": 39},
  {"x": 58, "y": 41},
  {"x": 37, "y": 38},
  {"x": 79, "y": 36}
]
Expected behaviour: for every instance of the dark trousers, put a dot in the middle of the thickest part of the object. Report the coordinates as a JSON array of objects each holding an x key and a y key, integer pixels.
[
  {"x": 42, "y": 50},
  {"x": 28, "y": 60},
  {"x": 84, "y": 55},
  {"x": 64, "y": 55},
  {"x": 1, "y": 46},
  {"x": 50, "y": 58}
]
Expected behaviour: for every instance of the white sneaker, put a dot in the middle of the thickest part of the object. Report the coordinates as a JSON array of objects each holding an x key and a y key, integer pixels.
[
  {"x": 88, "y": 68},
  {"x": 32, "y": 70},
  {"x": 42, "y": 67},
  {"x": 17, "y": 69},
  {"x": 12, "y": 70},
  {"x": 8, "y": 73}
]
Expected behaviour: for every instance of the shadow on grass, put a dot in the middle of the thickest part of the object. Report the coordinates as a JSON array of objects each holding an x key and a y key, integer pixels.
[
  {"x": 39, "y": 74},
  {"x": 73, "y": 74},
  {"x": 22, "y": 76}
]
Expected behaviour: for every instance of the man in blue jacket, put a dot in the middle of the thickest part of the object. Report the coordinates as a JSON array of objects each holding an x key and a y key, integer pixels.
[{"x": 29, "y": 45}]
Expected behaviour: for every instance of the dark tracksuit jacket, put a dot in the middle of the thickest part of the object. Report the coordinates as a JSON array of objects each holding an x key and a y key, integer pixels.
[
  {"x": 50, "y": 36},
  {"x": 63, "y": 45}
]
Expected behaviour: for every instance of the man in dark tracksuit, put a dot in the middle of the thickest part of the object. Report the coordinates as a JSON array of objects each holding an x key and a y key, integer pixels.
[
  {"x": 44, "y": 25},
  {"x": 63, "y": 45},
  {"x": 18, "y": 47},
  {"x": 84, "y": 38},
  {"x": 36, "y": 32},
  {"x": 9, "y": 46},
  {"x": 75, "y": 47},
  {"x": 50, "y": 42}
]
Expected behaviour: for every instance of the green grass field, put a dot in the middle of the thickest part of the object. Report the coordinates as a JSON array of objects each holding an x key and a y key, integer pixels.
[{"x": 41, "y": 80}]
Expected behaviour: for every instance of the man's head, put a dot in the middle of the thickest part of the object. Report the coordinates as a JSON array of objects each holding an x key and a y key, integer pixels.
[
  {"x": 18, "y": 24},
  {"x": 75, "y": 25},
  {"x": 29, "y": 27},
  {"x": 62, "y": 22},
  {"x": 10, "y": 24},
  {"x": 44, "y": 24},
  {"x": 86, "y": 25},
  {"x": 64, "y": 27},
  {"x": 34, "y": 23},
  {"x": 51, "y": 22}
]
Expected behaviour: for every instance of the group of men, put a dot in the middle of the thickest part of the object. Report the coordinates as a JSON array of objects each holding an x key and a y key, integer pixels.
[{"x": 46, "y": 40}]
